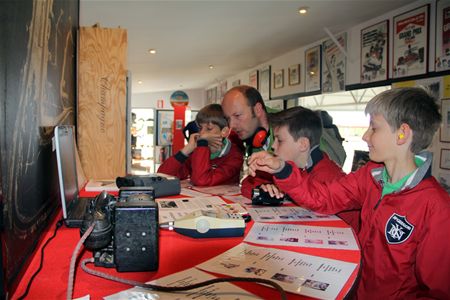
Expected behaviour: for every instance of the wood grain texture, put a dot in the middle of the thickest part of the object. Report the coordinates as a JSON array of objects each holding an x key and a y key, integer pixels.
[{"x": 101, "y": 112}]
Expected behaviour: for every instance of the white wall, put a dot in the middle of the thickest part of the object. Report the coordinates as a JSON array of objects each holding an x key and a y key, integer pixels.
[
  {"x": 197, "y": 99},
  {"x": 353, "y": 53}
]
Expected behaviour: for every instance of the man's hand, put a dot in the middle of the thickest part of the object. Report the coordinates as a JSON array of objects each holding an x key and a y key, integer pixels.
[
  {"x": 272, "y": 190},
  {"x": 265, "y": 162},
  {"x": 190, "y": 146},
  {"x": 214, "y": 140}
]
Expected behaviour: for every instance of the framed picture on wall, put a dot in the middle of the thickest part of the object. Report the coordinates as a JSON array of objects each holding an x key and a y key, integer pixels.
[
  {"x": 442, "y": 61},
  {"x": 264, "y": 82},
  {"x": 313, "y": 69},
  {"x": 164, "y": 124},
  {"x": 253, "y": 79},
  {"x": 278, "y": 79},
  {"x": 236, "y": 83},
  {"x": 294, "y": 74},
  {"x": 445, "y": 127},
  {"x": 334, "y": 64},
  {"x": 410, "y": 43},
  {"x": 445, "y": 159},
  {"x": 374, "y": 52}
]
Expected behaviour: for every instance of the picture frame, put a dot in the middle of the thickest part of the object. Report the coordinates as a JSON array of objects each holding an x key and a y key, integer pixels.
[
  {"x": 444, "y": 162},
  {"x": 164, "y": 132},
  {"x": 236, "y": 82},
  {"x": 410, "y": 42},
  {"x": 294, "y": 74},
  {"x": 253, "y": 79},
  {"x": 264, "y": 82},
  {"x": 313, "y": 69},
  {"x": 334, "y": 64},
  {"x": 445, "y": 126},
  {"x": 278, "y": 79},
  {"x": 375, "y": 52},
  {"x": 442, "y": 61}
]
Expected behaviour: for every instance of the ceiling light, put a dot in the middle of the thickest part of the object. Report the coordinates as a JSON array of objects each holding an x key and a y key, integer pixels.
[
  {"x": 140, "y": 82},
  {"x": 303, "y": 10},
  {"x": 152, "y": 51},
  {"x": 211, "y": 67}
]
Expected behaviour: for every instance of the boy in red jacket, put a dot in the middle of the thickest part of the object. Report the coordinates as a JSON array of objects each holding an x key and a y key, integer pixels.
[
  {"x": 405, "y": 213},
  {"x": 297, "y": 133},
  {"x": 209, "y": 158}
]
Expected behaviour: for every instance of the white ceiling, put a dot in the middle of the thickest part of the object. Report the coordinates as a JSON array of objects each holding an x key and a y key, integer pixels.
[{"x": 231, "y": 35}]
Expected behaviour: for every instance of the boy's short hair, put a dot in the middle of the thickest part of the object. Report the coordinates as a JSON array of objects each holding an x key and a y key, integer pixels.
[
  {"x": 213, "y": 114},
  {"x": 413, "y": 106},
  {"x": 301, "y": 122}
]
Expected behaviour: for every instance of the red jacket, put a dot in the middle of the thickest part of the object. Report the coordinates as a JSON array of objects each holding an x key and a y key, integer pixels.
[
  {"x": 404, "y": 236},
  {"x": 322, "y": 169},
  {"x": 202, "y": 170}
]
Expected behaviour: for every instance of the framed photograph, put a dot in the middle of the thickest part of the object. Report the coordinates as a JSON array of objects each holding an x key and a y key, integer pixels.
[
  {"x": 222, "y": 90},
  {"x": 294, "y": 74},
  {"x": 253, "y": 79},
  {"x": 264, "y": 82},
  {"x": 334, "y": 64},
  {"x": 313, "y": 69},
  {"x": 445, "y": 159},
  {"x": 444, "y": 179},
  {"x": 278, "y": 79},
  {"x": 236, "y": 83},
  {"x": 442, "y": 61},
  {"x": 410, "y": 43},
  {"x": 445, "y": 127},
  {"x": 374, "y": 52},
  {"x": 164, "y": 129}
]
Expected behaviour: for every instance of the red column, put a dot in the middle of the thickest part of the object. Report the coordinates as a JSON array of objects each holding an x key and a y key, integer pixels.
[{"x": 178, "y": 137}]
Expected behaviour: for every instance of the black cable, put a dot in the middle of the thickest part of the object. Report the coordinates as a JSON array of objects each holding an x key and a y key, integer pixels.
[
  {"x": 181, "y": 288},
  {"x": 58, "y": 225}
]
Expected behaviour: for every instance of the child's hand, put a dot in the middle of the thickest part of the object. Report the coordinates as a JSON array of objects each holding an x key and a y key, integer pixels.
[
  {"x": 192, "y": 143},
  {"x": 214, "y": 140},
  {"x": 265, "y": 162},
  {"x": 272, "y": 190}
]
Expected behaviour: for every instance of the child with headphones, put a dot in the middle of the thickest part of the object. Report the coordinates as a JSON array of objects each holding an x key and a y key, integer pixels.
[
  {"x": 209, "y": 158},
  {"x": 405, "y": 221}
]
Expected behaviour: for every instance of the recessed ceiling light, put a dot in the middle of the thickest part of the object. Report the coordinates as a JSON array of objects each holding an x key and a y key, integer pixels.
[
  {"x": 152, "y": 51},
  {"x": 303, "y": 10},
  {"x": 140, "y": 82},
  {"x": 211, "y": 67}
]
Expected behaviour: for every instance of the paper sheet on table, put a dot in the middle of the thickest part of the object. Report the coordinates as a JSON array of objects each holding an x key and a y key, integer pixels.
[
  {"x": 297, "y": 273},
  {"x": 287, "y": 213},
  {"x": 302, "y": 236},
  {"x": 172, "y": 209},
  {"x": 239, "y": 199},
  {"x": 218, "y": 291},
  {"x": 188, "y": 191},
  {"x": 219, "y": 190}
]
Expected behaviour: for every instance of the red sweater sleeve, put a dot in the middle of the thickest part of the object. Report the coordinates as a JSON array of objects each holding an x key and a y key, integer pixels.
[
  {"x": 222, "y": 170},
  {"x": 250, "y": 182},
  {"x": 172, "y": 166}
]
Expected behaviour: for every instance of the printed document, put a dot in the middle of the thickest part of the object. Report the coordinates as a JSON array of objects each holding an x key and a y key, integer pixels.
[
  {"x": 302, "y": 236},
  {"x": 297, "y": 273},
  {"x": 287, "y": 214},
  {"x": 217, "y": 291}
]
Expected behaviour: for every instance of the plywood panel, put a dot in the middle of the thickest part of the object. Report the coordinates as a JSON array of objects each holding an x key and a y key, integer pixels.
[{"x": 102, "y": 101}]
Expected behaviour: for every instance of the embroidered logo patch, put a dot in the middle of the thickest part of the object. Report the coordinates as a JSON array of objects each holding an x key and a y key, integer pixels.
[{"x": 398, "y": 229}]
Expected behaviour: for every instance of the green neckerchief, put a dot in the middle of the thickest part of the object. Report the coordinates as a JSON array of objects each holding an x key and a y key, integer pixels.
[
  {"x": 389, "y": 188},
  {"x": 225, "y": 148}
]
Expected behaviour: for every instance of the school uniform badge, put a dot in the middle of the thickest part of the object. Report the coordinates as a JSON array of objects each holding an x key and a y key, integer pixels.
[{"x": 398, "y": 229}]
